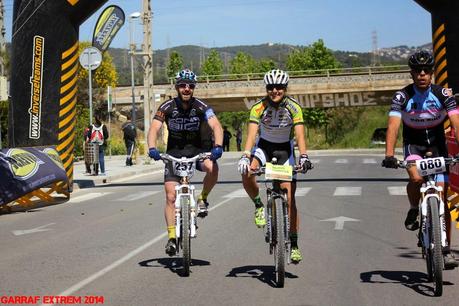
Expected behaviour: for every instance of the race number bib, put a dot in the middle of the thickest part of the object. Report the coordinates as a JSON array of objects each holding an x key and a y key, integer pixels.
[
  {"x": 183, "y": 168},
  {"x": 430, "y": 166},
  {"x": 278, "y": 172}
]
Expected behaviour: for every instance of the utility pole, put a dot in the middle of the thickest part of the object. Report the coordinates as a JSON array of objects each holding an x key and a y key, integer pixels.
[
  {"x": 2, "y": 39},
  {"x": 375, "y": 52},
  {"x": 149, "y": 101}
]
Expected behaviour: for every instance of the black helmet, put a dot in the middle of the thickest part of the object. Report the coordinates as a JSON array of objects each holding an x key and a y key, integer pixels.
[{"x": 421, "y": 58}]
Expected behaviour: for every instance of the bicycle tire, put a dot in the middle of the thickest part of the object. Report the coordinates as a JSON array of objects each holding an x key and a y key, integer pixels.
[
  {"x": 279, "y": 247},
  {"x": 436, "y": 252},
  {"x": 186, "y": 241}
]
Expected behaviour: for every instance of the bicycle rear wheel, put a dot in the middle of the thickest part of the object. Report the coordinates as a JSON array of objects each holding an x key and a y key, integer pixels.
[
  {"x": 435, "y": 253},
  {"x": 279, "y": 246},
  {"x": 186, "y": 241}
]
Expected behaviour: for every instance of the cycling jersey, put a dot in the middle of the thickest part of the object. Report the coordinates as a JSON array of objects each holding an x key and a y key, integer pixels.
[
  {"x": 276, "y": 120},
  {"x": 184, "y": 126},
  {"x": 423, "y": 113}
]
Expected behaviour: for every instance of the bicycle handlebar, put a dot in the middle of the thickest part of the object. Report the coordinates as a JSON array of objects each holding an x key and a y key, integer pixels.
[
  {"x": 261, "y": 170},
  {"x": 404, "y": 164},
  {"x": 201, "y": 156}
]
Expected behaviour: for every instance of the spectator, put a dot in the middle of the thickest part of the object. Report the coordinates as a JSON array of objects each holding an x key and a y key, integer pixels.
[
  {"x": 129, "y": 135},
  {"x": 86, "y": 135},
  {"x": 99, "y": 135},
  {"x": 238, "y": 136},
  {"x": 226, "y": 139}
]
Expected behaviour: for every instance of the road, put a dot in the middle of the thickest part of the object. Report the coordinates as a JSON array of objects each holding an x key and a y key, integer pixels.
[{"x": 108, "y": 243}]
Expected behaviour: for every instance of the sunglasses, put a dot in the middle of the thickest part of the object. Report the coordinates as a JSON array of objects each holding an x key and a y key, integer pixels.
[
  {"x": 421, "y": 69},
  {"x": 276, "y": 86},
  {"x": 185, "y": 85}
]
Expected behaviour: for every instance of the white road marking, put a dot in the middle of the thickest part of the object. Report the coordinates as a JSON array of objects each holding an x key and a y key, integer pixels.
[
  {"x": 339, "y": 222},
  {"x": 301, "y": 192},
  {"x": 137, "y": 196},
  {"x": 229, "y": 164},
  {"x": 341, "y": 161},
  {"x": 33, "y": 230},
  {"x": 240, "y": 193},
  {"x": 119, "y": 262},
  {"x": 397, "y": 190},
  {"x": 88, "y": 196},
  {"x": 369, "y": 161},
  {"x": 347, "y": 191}
]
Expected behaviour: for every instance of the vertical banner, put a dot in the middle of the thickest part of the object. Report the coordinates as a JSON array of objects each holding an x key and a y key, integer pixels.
[
  {"x": 44, "y": 66},
  {"x": 108, "y": 24}
]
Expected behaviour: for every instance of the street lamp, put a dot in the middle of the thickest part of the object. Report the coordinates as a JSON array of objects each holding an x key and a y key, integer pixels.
[{"x": 134, "y": 15}]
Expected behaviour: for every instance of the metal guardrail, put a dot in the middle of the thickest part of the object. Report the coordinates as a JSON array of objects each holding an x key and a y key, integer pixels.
[{"x": 369, "y": 70}]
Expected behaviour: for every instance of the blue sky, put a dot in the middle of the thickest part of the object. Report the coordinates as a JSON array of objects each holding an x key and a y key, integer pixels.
[{"x": 343, "y": 25}]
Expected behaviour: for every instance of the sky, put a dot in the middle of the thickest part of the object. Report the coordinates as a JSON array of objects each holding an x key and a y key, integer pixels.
[{"x": 346, "y": 25}]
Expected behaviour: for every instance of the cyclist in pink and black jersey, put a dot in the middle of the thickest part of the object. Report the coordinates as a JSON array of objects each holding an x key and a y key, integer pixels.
[{"x": 422, "y": 108}]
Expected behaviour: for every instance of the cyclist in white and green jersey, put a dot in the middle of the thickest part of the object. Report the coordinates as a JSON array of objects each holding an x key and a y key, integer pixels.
[{"x": 276, "y": 118}]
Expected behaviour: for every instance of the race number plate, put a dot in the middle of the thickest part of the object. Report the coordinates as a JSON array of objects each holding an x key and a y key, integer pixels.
[
  {"x": 278, "y": 172},
  {"x": 430, "y": 166},
  {"x": 183, "y": 168}
]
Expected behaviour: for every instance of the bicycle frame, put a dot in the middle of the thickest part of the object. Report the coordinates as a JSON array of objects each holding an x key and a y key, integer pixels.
[{"x": 185, "y": 191}]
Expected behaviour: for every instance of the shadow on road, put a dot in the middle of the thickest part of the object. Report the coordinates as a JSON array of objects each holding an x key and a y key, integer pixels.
[
  {"x": 416, "y": 281},
  {"x": 172, "y": 263},
  {"x": 263, "y": 273}
]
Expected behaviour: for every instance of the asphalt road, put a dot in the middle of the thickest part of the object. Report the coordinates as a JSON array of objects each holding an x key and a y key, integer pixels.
[{"x": 107, "y": 243}]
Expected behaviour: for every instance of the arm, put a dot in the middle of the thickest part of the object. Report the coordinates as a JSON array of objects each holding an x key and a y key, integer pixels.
[
  {"x": 155, "y": 126},
  {"x": 300, "y": 140},
  {"x": 455, "y": 124},
  {"x": 217, "y": 130},
  {"x": 252, "y": 131},
  {"x": 391, "y": 136}
]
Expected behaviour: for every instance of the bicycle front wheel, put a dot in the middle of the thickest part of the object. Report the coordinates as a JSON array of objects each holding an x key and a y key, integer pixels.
[
  {"x": 279, "y": 246},
  {"x": 435, "y": 248},
  {"x": 186, "y": 241}
]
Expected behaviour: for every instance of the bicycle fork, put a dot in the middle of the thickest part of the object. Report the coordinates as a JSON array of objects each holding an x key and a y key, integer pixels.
[
  {"x": 426, "y": 239},
  {"x": 187, "y": 193}
]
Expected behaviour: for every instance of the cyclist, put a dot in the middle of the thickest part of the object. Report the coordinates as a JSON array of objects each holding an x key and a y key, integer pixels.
[
  {"x": 423, "y": 108},
  {"x": 184, "y": 116},
  {"x": 276, "y": 117}
]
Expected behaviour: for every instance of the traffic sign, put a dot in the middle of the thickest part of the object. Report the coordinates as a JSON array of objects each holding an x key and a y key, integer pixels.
[{"x": 90, "y": 58}]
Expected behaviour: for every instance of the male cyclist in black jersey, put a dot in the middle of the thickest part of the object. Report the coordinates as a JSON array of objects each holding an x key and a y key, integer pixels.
[
  {"x": 423, "y": 108},
  {"x": 184, "y": 116},
  {"x": 276, "y": 117}
]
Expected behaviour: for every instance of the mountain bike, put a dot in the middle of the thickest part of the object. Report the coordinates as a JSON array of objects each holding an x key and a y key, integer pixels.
[
  {"x": 185, "y": 204},
  {"x": 432, "y": 230},
  {"x": 278, "y": 222}
]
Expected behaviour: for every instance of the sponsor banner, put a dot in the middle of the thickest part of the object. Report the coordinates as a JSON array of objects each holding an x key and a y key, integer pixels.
[
  {"x": 26, "y": 169},
  {"x": 453, "y": 150},
  {"x": 108, "y": 24}
]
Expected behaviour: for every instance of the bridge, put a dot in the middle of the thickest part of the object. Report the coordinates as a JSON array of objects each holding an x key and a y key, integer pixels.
[{"x": 362, "y": 86}]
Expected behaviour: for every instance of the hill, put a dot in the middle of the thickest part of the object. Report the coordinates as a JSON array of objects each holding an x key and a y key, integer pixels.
[{"x": 194, "y": 56}]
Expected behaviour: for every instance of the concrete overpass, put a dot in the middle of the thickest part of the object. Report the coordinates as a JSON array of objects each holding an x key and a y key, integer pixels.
[{"x": 363, "y": 86}]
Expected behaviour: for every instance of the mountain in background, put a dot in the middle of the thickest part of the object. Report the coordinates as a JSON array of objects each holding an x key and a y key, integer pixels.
[{"x": 194, "y": 56}]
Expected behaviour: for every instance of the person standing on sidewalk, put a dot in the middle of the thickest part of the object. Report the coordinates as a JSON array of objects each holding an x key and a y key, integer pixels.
[
  {"x": 239, "y": 139},
  {"x": 129, "y": 135},
  {"x": 99, "y": 135},
  {"x": 226, "y": 139}
]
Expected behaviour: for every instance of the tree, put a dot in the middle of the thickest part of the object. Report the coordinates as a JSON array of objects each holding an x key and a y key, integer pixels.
[
  {"x": 242, "y": 63},
  {"x": 313, "y": 57},
  {"x": 105, "y": 75},
  {"x": 213, "y": 65},
  {"x": 175, "y": 64},
  {"x": 265, "y": 65}
]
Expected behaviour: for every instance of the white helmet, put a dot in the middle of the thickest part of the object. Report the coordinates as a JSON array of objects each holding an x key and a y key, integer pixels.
[{"x": 276, "y": 77}]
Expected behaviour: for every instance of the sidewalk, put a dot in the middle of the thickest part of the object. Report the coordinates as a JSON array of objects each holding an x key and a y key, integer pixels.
[
  {"x": 115, "y": 166},
  {"x": 115, "y": 169}
]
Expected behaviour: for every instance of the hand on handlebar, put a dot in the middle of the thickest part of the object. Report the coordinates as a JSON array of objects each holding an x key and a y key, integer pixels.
[
  {"x": 390, "y": 162},
  {"x": 154, "y": 153},
  {"x": 243, "y": 165},
  {"x": 305, "y": 163}
]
